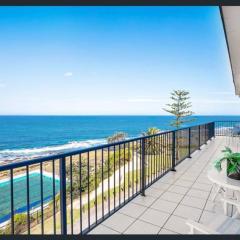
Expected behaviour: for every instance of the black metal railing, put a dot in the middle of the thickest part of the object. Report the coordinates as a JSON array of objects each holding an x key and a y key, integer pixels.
[
  {"x": 71, "y": 193},
  {"x": 227, "y": 128}
]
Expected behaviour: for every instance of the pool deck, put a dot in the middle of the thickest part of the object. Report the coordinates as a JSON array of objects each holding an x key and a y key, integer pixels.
[{"x": 177, "y": 196}]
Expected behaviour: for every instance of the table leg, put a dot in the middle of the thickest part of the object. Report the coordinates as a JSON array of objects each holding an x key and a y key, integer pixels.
[
  {"x": 216, "y": 193},
  {"x": 238, "y": 195},
  {"x": 225, "y": 204}
]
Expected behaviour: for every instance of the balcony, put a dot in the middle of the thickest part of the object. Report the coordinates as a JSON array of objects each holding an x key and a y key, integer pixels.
[
  {"x": 176, "y": 197},
  {"x": 145, "y": 185}
]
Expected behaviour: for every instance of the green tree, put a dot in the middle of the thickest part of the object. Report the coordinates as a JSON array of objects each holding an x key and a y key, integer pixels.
[
  {"x": 151, "y": 131},
  {"x": 151, "y": 143},
  {"x": 117, "y": 137},
  {"x": 120, "y": 157},
  {"x": 85, "y": 177},
  {"x": 180, "y": 108}
]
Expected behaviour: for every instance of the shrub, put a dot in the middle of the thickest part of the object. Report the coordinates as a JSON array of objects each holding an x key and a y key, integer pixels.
[
  {"x": 119, "y": 156},
  {"x": 117, "y": 137},
  {"x": 85, "y": 177},
  {"x": 108, "y": 165}
]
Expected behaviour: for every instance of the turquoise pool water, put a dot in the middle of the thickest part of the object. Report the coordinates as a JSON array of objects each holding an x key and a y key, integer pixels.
[{"x": 20, "y": 194}]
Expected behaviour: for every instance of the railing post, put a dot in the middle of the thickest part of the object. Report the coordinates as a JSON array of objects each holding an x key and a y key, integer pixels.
[
  {"x": 199, "y": 137},
  {"x": 214, "y": 134},
  {"x": 189, "y": 142},
  {"x": 173, "y": 151},
  {"x": 206, "y": 133},
  {"x": 209, "y": 127},
  {"x": 205, "y": 142},
  {"x": 63, "y": 201},
  {"x": 143, "y": 167}
]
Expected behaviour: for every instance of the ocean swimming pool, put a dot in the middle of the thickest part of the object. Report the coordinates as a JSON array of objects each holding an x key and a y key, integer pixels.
[{"x": 20, "y": 193}]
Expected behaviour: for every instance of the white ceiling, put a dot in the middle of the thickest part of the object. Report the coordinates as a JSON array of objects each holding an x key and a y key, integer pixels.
[{"x": 231, "y": 21}]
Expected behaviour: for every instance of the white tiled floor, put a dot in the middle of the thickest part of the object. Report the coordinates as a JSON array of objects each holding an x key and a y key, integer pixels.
[
  {"x": 155, "y": 217},
  {"x": 133, "y": 210},
  {"x": 177, "y": 196},
  {"x": 118, "y": 222},
  {"x": 164, "y": 206},
  {"x": 141, "y": 227}
]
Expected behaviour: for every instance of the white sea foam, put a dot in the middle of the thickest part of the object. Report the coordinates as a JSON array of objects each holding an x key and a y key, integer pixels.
[{"x": 21, "y": 154}]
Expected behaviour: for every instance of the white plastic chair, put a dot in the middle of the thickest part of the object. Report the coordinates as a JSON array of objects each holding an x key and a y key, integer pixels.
[
  {"x": 233, "y": 137},
  {"x": 220, "y": 224}
]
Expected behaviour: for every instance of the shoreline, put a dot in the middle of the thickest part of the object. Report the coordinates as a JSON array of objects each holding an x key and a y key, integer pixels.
[{"x": 23, "y": 154}]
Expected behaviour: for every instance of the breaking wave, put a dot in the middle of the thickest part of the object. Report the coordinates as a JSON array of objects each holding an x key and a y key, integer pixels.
[{"x": 30, "y": 153}]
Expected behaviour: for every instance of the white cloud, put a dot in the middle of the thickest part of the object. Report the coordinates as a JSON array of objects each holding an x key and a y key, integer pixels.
[{"x": 68, "y": 74}]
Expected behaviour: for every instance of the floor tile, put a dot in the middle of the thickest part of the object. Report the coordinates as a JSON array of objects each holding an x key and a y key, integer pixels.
[
  {"x": 182, "y": 167},
  {"x": 101, "y": 229},
  {"x": 203, "y": 180},
  {"x": 178, "y": 189},
  {"x": 194, "y": 202},
  {"x": 203, "y": 175},
  {"x": 187, "y": 212},
  {"x": 183, "y": 183},
  {"x": 140, "y": 227},
  {"x": 172, "y": 197},
  {"x": 202, "y": 186},
  {"x": 188, "y": 178},
  {"x": 168, "y": 179},
  {"x": 144, "y": 200},
  {"x": 194, "y": 172},
  {"x": 177, "y": 224},
  {"x": 133, "y": 210},
  {"x": 160, "y": 185},
  {"x": 198, "y": 193},
  {"x": 153, "y": 192},
  {"x": 164, "y": 206},
  {"x": 118, "y": 222},
  {"x": 165, "y": 231},
  {"x": 207, "y": 217},
  {"x": 154, "y": 217}
]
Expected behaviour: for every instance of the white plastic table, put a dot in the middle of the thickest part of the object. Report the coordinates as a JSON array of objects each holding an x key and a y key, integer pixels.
[{"x": 224, "y": 183}]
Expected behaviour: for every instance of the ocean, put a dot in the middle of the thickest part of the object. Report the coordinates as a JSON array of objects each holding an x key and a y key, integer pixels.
[{"x": 25, "y": 137}]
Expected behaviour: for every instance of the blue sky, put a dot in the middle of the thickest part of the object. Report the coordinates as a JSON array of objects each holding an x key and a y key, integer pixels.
[{"x": 112, "y": 60}]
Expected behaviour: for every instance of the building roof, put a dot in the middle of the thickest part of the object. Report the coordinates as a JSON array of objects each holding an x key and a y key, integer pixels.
[{"x": 231, "y": 23}]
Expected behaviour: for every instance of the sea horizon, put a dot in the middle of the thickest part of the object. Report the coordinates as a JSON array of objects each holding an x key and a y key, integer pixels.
[
  {"x": 99, "y": 115},
  {"x": 29, "y": 136}
]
